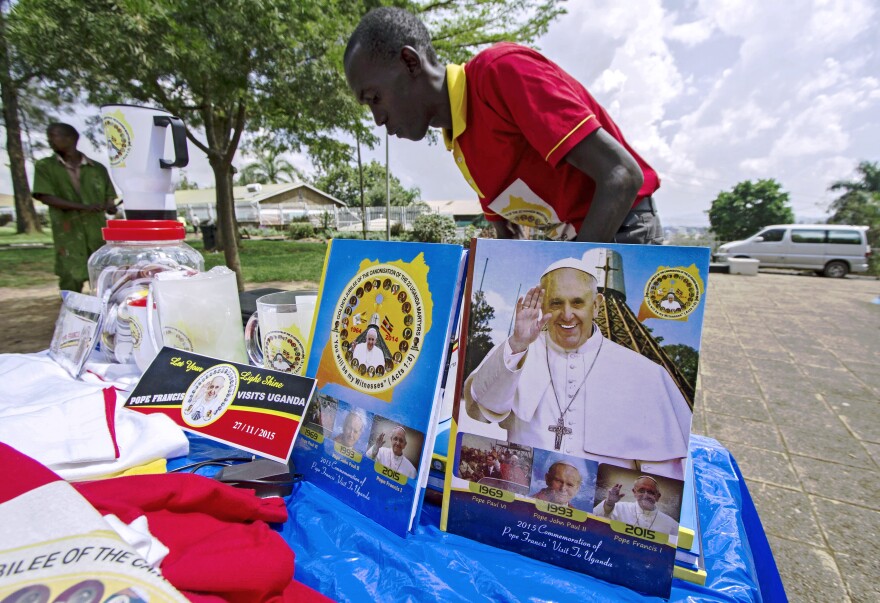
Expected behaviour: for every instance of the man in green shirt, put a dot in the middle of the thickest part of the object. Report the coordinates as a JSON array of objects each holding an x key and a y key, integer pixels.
[{"x": 78, "y": 192}]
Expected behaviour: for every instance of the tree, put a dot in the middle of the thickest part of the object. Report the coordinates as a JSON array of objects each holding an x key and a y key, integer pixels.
[
  {"x": 10, "y": 85},
  {"x": 479, "y": 332},
  {"x": 433, "y": 228},
  {"x": 342, "y": 181},
  {"x": 221, "y": 67},
  {"x": 185, "y": 184},
  {"x": 227, "y": 67},
  {"x": 687, "y": 360},
  {"x": 270, "y": 167},
  {"x": 860, "y": 204},
  {"x": 749, "y": 207}
]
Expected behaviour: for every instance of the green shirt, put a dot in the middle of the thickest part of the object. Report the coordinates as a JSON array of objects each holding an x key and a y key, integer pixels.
[{"x": 76, "y": 234}]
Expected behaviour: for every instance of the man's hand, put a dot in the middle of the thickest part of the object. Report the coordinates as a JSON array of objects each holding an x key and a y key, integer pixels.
[
  {"x": 613, "y": 497},
  {"x": 529, "y": 320},
  {"x": 380, "y": 440},
  {"x": 110, "y": 208}
]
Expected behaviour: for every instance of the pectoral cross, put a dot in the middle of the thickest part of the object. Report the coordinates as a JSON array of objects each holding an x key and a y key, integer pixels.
[{"x": 561, "y": 430}]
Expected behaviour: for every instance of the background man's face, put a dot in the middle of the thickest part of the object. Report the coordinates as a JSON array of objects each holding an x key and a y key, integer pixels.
[
  {"x": 398, "y": 442},
  {"x": 351, "y": 430},
  {"x": 564, "y": 482},
  {"x": 60, "y": 141},
  {"x": 646, "y": 494},
  {"x": 391, "y": 92},
  {"x": 569, "y": 298}
]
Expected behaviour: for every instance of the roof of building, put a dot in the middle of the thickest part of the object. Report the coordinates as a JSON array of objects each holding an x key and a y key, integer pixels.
[
  {"x": 457, "y": 207},
  {"x": 252, "y": 193}
]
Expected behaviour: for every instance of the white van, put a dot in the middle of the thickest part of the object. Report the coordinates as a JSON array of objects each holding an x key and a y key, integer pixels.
[{"x": 830, "y": 249}]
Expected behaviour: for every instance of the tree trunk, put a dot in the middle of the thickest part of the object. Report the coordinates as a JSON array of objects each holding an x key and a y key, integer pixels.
[
  {"x": 25, "y": 214},
  {"x": 226, "y": 218}
]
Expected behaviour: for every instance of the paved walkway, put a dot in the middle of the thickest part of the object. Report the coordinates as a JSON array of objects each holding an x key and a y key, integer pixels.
[{"x": 790, "y": 384}]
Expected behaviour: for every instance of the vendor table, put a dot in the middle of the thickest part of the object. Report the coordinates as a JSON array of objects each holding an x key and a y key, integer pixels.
[{"x": 350, "y": 558}]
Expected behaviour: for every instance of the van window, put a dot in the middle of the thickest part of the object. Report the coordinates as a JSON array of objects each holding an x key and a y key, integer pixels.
[
  {"x": 844, "y": 237},
  {"x": 774, "y": 235},
  {"x": 807, "y": 236}
]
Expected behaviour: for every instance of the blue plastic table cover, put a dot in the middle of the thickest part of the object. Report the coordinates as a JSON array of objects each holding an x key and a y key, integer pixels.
[{"x": 349, "y": 558}]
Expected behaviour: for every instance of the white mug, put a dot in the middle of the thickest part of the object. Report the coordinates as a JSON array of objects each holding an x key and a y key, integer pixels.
[
  {"x": 278, "y": 333},
  {"x": 198, "y": 313},
  {"x": 136, "y": 145},
  {"x": 143, "y": 347}
]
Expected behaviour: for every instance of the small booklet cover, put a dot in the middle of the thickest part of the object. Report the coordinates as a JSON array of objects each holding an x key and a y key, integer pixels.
[
  {"x": 386, "y": 312},
  {"x": 570, "y": 431},
  {"x": 251, "y": 408}
]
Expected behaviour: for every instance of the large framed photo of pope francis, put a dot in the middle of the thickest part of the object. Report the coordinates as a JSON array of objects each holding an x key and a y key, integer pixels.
[{"x": 577, "y": 385}]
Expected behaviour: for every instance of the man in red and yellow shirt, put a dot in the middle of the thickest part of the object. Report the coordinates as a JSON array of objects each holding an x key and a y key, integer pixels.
[{"x": 535, "y": 146}]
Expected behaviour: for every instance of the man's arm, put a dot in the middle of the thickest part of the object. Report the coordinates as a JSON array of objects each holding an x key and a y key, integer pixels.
[
  {"x": 606, "y": 507},
  {"x": 374, "y": 449},
  {"x": 618, "y": 179},
  {"x": 507, "y": 230},
  {"x": 59, "y": 203}
]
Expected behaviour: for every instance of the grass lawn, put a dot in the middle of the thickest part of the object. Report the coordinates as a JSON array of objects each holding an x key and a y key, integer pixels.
[{"x": 261, "y": 261}]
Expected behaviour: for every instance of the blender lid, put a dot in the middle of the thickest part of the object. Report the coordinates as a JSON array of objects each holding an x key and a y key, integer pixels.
[{"x": 143, "y": 230}]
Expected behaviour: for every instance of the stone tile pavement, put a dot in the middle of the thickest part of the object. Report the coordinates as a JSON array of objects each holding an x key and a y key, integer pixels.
[{"x": 790, "y": 384}]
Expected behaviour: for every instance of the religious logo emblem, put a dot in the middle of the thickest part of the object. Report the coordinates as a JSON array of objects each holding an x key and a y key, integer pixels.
[
  {"x": 175, "y": 338},
  {"x": 379, "y": 321},
  {"x": 209, "y": 396},
  {"x": 673, "y": 293},
  {"x": 119, "y": 139},
  {"x": 284, "y": 352}
]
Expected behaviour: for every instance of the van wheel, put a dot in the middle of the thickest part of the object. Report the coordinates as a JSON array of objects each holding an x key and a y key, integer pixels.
[{"x": 835, "y": 269}]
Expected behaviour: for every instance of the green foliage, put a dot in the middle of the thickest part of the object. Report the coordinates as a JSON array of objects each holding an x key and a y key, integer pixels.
[
  {"x": 479, "y": 341},
  {"x": 686, "y": 358},
  {"x": 262, "y": 261},
  {"x": 270, "y": 166},
  {"x": 300, "y": 230},
  {"x": 267, "y": 261},
  {"x": 342, "y": 181},
  {"x": 185, "y": 184},
  {"x": 749, "y": 207},
  {"x": 433, "y": 228},
  {"x": 25, "y": 266},
  {"x": 860, "y": 205},
  {"x": 357, "y": 234}
]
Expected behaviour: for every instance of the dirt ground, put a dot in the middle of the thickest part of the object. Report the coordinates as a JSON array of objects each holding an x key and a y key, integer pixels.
[{"x": 28, "y": 315}]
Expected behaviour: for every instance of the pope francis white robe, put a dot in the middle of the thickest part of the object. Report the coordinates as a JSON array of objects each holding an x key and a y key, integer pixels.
[
  {"x": 627, "y": 411},
  {"x": 634, "y": 515}
]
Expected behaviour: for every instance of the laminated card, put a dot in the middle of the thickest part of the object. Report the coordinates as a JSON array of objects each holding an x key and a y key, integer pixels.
[
  {"x": 570, "y": 431},
  {"x": 385, "y": 315}
]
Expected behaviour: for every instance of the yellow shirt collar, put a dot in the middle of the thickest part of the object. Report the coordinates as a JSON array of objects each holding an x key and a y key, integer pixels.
[{"x": 456, "y": 84}]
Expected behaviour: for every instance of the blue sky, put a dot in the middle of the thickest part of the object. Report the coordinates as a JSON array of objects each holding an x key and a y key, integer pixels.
[{"x": 710, "y": 92}]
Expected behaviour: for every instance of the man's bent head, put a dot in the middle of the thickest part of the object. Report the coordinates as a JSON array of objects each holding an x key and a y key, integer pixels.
[{"x": 385, "y": 64}]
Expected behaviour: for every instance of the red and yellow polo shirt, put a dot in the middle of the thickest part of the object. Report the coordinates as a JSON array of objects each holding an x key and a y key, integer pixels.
[{"x": 515, "y": 115}]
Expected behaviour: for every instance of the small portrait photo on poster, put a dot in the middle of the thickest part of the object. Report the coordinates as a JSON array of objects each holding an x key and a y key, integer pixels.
[
  {"x": 564, "y": 480},
  {"x": 495, "y": 463},
  {"x": 395, "y": 446},
  {"x": 351, "y": 426},
  {"x": 650, "y": 502},
  {"x": 321, "y": 413}
]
